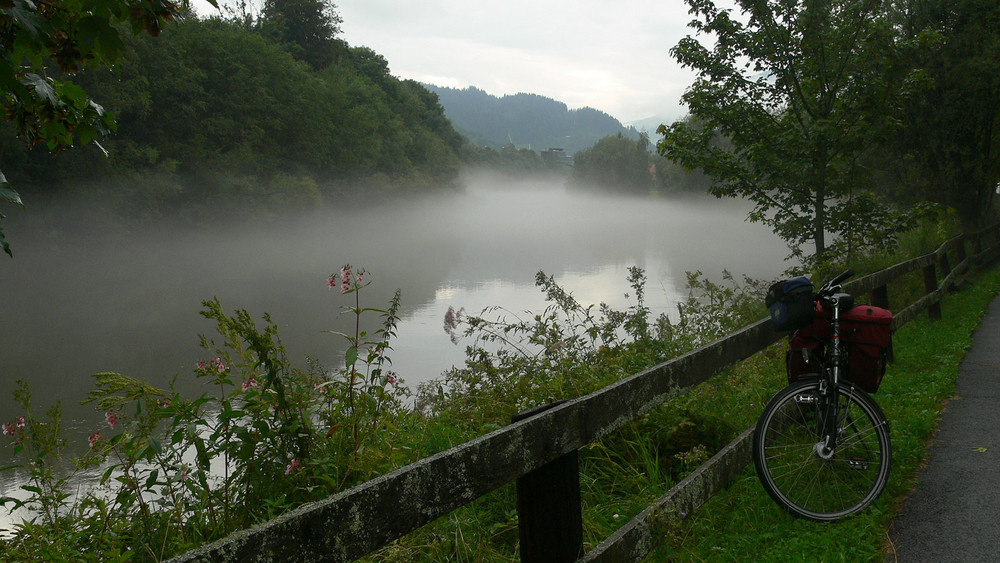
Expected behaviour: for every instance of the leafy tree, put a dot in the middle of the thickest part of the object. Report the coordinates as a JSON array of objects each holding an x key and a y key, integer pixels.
[
  {"x": 797, "y": 89},
  {"x": 949, "y": 148},
  {"x": 40, "y": 42},
  {"x": 214, "y": 115},
  {"x": 309, "y": 26},
  {"x": 617, "y": 162}
]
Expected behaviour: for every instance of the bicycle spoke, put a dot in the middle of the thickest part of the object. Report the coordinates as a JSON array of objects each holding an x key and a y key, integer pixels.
[{"x": 789, "y": 463}]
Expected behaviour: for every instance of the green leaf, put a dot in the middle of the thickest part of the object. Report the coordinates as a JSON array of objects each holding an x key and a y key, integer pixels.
[
  {"x": 351, "y": 357},
  {"x": 7, "y": 192},
  {"x": 42, "y": 88},
  {"x": 151, "y": 480}
]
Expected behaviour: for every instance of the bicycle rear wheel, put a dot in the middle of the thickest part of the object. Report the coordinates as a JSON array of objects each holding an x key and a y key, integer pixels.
[{"x": 801, "y": 477}]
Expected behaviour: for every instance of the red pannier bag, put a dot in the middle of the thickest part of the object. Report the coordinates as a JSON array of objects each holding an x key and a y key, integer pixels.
[{"x": 865, "y": 336}]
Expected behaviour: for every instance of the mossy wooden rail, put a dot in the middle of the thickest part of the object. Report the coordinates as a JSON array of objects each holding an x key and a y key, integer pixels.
[{"x": 539, "y": 451}]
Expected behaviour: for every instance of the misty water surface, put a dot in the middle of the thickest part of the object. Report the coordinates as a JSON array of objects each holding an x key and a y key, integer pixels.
[{"x": 73, "y": 306}]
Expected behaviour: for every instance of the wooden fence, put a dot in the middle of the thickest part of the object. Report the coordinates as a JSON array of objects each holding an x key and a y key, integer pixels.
[{"x": 538, "y": 450}]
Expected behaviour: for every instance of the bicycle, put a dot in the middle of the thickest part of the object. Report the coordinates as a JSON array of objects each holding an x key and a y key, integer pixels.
[{"x": 822, "y": 448}]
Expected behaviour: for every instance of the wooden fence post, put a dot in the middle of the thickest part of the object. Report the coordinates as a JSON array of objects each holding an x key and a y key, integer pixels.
[
  {"x": 549, "y": 514},
  {"x": 945, "y": 265},
  {"x": 880, "y": 298},
  {"x": 930, "y": 286}
]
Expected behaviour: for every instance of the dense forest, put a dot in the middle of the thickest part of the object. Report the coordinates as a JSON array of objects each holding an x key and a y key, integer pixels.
[
  {"x": 525, "y": 120},
  {"x": 241, "y": 113}
]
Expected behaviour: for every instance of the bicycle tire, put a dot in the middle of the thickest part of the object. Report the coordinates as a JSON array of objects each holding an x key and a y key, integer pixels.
[{"x": 797, "y": 477}]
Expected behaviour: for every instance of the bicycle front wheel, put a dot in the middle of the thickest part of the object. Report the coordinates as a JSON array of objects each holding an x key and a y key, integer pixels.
[{"x": 802, "y": 476}]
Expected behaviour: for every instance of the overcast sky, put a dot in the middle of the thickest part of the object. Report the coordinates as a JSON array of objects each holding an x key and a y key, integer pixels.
[{"x": 612, "y": 55}]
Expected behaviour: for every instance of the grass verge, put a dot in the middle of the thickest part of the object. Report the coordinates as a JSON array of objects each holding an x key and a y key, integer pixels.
[{"x": 743, "y": 524}]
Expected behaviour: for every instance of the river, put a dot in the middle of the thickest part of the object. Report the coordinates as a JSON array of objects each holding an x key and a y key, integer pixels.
[{"x": 129, "y": 302}]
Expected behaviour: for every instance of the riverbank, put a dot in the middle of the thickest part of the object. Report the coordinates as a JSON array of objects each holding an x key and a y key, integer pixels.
[{"x": 583, "y": 350}]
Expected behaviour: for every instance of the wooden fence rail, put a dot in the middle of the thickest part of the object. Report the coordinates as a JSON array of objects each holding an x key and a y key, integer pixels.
[{"x": 357, "y": 521}]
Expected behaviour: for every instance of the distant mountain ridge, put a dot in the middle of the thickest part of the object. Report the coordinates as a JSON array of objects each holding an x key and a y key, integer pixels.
[
  {"x": 650, "y": 124},
  {"x": 525, "y": 120}
]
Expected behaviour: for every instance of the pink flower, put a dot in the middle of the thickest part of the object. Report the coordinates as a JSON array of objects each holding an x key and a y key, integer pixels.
[
  {"x": 8, "y": 429},
  {"x": 164, "y": 403},
  {"x": 183, "y": 475},
  {"x": 332, "y": 282},
  {"x": 391, "y": 379},
  {"x": 251, "y": 383},
  {"x": 292, "y": 467},
  {"x": 20, "y": 422},
  {"x": 345, "y": 278},
  {"x": 111, "y": 417},
  {"x": 94, "y": 438},
  {"x": 201, "y": 365}
]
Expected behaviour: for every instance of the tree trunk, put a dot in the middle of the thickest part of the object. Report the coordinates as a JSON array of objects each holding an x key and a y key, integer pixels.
[
  {"x": 819, "y": 225},
  {"x": 820, "y": 161}
]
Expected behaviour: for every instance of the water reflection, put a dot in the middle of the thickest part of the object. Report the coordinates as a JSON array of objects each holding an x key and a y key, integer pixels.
[{"x": 129, "y": 302}]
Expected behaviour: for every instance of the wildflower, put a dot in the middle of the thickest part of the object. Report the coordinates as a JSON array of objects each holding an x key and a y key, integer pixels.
[
  {"x": 345, "y": 278},
  {"x": 94, "y": 438},
  {"x": 20, "y": 422},
  {"x": 183, "y": 474},
  {"x": 201, "y": 365},
  {"x": 293, "y": 467},
  {"x": 111, "y": 417},
  {"x": 217, "y": 365},
  {"x": 332, "y": 282},
  {"x": 8, "y": 429},
  {"x": 391, "y": 379},
  {"x": 251, "y": 383},
  {"x": 164, "y": 403}
]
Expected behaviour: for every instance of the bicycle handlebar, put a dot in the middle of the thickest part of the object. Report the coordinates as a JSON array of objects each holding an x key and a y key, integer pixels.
[{"x": 834, "y": 284}]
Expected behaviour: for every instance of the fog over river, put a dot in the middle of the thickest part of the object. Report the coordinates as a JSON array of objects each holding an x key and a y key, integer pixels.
[{"x": 73, "y": 306}]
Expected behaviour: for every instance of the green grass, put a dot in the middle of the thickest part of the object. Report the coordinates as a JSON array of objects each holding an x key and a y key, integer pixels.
[
  {"x": 625, "y": 472},
  {"x": 743, "y": 524}
]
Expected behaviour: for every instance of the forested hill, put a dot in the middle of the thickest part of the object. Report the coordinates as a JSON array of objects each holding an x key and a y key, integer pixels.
[
  {"x": 230, "y": 112},
  {"x": 525, "y": 120}
]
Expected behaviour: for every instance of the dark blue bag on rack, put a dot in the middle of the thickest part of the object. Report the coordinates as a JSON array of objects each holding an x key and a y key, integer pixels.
[{"x": 791, "y": 304}]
